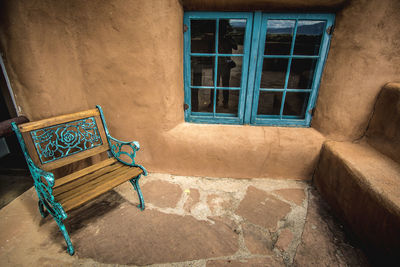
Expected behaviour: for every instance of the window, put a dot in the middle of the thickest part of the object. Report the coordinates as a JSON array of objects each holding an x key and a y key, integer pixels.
[{"x": 253, "y": 68}]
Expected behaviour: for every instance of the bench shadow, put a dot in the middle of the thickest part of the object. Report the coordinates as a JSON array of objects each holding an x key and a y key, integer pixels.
[{"x": 86, "y": 214}]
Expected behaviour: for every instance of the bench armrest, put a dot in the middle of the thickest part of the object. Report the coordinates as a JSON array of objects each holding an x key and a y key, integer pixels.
[{"x": 119, "y": 148}]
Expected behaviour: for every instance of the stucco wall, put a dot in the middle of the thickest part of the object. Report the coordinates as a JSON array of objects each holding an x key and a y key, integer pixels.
[
  {"x": 364, "y": 55},
  {"x": 127, "y": 56}
]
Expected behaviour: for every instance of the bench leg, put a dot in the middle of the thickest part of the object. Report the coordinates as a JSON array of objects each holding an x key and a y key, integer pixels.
[
  {"x": 43, "y": 212},
  {"x": 63, "y": 230},
  {"x": 135, "y": 183}
]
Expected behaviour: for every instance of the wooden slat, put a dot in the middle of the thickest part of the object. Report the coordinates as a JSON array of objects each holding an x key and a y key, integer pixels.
[
  {"x": 85, "y": 171},
  {"x": 64, "y": 189},
  {"x": 58, "y": 120},
  {"x": 74, "y": 192},
  {"x": 76, "y": 157},
  {"x": 93, "y": 192}
]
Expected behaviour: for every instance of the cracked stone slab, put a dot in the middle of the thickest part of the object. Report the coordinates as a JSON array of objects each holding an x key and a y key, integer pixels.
[
  {"x": 252, "y": 262},
  {"x": 262, "y": 208},
  {"x": 257, "y": 241},
  {"x": 161, "y": 193},
  {"x": 168, "y": 238},
  {"x": 294, "y": 195}
]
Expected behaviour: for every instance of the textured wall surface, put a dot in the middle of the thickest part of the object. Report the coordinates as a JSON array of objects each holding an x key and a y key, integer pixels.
[
  {"x": 384, "y": 129},
  {"x": 361, "y": 185},
  {"x": 364, "y": 55},
  {"x": 267, "y": 5},
  {"x": 127, "y": 56}
]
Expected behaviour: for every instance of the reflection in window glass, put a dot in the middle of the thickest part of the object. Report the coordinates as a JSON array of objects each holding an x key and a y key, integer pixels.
[
  {"x": 269, "y": 103},
  {"x": 227, "y": 101},
  {"x": 279, "y": 37},
  {"x": 295, "y": 104},
  {"x": 229, "y": 71},
  {"x": 202, "y": 100},
  {"x": 202, "y": 71},
  {"x": 202, "y": 36},
  {"x": 308, "y": 37},
  {"x": 231, "y": 36},
  {"x": 302, "y": 73},
  {"x": 274, "y": 73}
]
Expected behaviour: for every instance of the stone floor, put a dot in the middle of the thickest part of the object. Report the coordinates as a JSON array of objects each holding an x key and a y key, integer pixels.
[{"x": 188, "y": 221}]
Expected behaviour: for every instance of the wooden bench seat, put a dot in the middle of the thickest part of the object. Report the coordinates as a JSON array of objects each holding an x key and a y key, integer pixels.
[
  {"x": 60, "y": 141},
  {"x": 72, "y": 193}
]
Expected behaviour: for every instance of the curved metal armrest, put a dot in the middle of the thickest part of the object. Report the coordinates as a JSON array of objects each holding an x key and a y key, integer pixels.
[
  {"x": 117, "y": 145},
  {"x": 117, "y": 151}
]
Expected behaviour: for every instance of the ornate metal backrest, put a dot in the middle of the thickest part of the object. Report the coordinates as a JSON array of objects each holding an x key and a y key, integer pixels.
[
  {"x": 62, "y": 140},
  {"x": 58, "y": 141}
]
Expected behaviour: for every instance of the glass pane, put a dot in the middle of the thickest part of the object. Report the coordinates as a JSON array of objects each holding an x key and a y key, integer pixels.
[
  {"x": 269, "y": 103},
  {"x": 279, "y": 37},
  {"x": 296, "y": 104},
  {"x": 302, "y": 73},
  {"x": 229, "y": 71},
  {"x": 202, "y": 36},
  {"x": 227, "y": 101},
  {"x": 274, "y": 72},
  {"x": 202, "y": 71},
  {"x": 231, "y": 36},
  {"x": 308, "y": 37},
  {"x": 202, "y": 100}
]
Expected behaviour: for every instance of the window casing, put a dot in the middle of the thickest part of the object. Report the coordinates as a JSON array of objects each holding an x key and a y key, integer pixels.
[{"x": 253, "y": 68}]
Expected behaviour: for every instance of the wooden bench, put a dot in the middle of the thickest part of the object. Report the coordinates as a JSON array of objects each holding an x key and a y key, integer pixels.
[{"x": 52, "y": 145}]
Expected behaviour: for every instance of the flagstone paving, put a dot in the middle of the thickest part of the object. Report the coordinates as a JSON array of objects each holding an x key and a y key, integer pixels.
[{"x": 188, "y": 221}]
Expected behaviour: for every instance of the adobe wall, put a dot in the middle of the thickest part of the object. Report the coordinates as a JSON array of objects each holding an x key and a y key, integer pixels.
[
  {"x": 364, "y": 56},
  {"x": 127, "y": 56}
]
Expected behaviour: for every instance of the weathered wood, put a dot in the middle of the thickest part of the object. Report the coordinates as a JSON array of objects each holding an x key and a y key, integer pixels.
[
  {"x": 74, "y": 158},
  {"x": 93, "y": 190},
  {"x": 89, "y": 184},
  {"x": 83, "y": 172},
  {"x": 42, "y": 142},
  {"x": 26, "y": 127}
]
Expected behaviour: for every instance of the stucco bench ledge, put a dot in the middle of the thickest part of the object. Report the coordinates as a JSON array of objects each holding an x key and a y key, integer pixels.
[{"x": 56, "y": 142}]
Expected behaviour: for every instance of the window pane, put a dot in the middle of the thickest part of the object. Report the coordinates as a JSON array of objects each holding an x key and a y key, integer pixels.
[
  {"x": 296, "y": 104},
  {"x": 202, "y": 100},
  {"x": 279, "y": 37},
  {"x": 302, "y": 73},
  {"x": 269, "y": 103},
  {"x": 274, "y": 72},
  {"x": 308, "y": 37},
  {"x": 231, "y": 36},
  {"x": 202, "y": 36},
  {"x": 229, "y": 71},
  {"x": 227, "y": 101},
  {"x": 202, "y": 71}
]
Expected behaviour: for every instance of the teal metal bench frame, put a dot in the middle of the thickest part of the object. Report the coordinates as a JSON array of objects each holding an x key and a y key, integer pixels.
[{"x": 47, "y": 202}]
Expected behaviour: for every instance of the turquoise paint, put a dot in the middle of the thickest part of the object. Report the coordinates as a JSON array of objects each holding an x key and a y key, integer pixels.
[
  {"x": 60, "y": 141},
  {"x": 213, "y": 117},
  {"x": 44, "y": 181},
  {"x": 248, "y": 105},
  {"x": 44, "y": 191}
]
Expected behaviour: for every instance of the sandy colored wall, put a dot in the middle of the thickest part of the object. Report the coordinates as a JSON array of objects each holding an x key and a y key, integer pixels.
[
  {"x": 364, "y": 55},
  {"x": 127, "y": 56}
]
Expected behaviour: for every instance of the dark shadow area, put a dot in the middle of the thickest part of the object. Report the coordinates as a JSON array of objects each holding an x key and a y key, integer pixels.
[
  {"x": 84, "y": 215},
  {"x": 12, "y": 186},
  {"x": 14, "y": 175},
  {"x": 346, "y": 244}
]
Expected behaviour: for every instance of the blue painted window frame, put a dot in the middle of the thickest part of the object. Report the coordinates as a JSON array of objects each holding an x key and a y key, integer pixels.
[
  {"x": 253, "y": 55},
  {"x": 216, "y": 117}
]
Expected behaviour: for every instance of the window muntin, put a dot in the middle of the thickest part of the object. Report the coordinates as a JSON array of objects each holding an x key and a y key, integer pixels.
[
  {"x": 219, "y": 45},
  {"x": 278, "y": 86}
]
